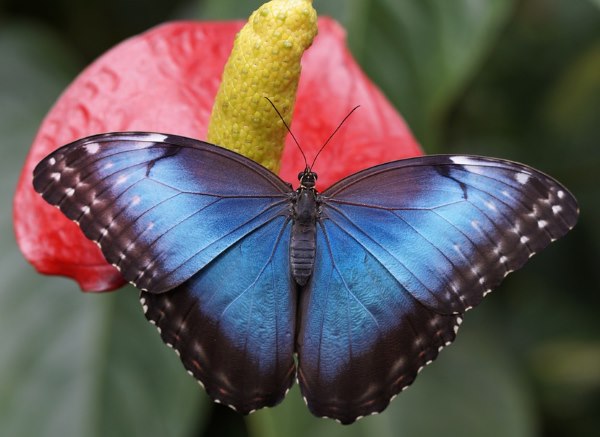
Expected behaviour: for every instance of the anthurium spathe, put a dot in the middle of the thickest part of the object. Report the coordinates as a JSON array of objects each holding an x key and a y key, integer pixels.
[{"x": 166, "y": 80}]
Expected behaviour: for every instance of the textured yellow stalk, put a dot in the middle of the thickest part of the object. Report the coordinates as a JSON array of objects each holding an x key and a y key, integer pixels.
[{"x": 264, "y": 62}]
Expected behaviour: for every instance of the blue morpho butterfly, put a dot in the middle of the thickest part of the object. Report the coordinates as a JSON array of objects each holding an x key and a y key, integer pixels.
[{"x": 365, "y": 283}]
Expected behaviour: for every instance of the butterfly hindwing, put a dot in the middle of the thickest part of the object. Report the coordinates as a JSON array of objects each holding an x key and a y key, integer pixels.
[
  {"x": 363, "y": 337},
  {"x": 160, "y": 206},
  {"x": 233, "y": 323}
]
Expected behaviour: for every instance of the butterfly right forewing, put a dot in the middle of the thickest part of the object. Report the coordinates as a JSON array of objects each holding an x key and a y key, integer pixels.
[{"x": 450, "y": 228}]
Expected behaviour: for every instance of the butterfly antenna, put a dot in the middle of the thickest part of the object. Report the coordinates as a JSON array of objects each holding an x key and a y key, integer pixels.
[
  {"x": 334, "y": 132},
  {"x": 289, "y": 130}
]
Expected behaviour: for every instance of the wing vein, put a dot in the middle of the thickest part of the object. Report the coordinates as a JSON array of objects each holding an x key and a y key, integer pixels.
[
  {"x": 267, "y": 263},
  {"x": 380, "y": 246},
  {"x": 334, "y": 263}
]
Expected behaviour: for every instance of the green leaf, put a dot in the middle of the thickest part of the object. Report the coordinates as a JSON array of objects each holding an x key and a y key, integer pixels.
[
  {"x": 571, "y": 115},
  {"x": 227, "y": 9},
  {"x": 596, "y": 2},
  {"x": 424, "y": 52},
  {"x": 71, "y": 364}
]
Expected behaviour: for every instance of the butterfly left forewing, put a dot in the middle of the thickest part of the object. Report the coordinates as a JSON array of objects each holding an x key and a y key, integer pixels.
[{"x": 160, "y": 206}]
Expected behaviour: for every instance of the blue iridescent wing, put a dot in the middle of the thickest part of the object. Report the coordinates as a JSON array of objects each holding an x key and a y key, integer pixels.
[
  {"x": 362, "y": 336},
  {"x": 233, "y": 323},
  {"x": 403, "y": 250},
  {"x": 161, "y": 207},
  {"x": 206, "y": 232}
]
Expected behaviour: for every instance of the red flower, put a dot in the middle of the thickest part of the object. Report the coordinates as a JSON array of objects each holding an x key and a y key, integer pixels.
[{"x": 165, "y": 80}]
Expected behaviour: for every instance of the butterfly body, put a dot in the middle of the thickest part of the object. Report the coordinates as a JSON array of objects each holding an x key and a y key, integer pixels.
[
  {"x": 305, "y": 215},
  {"x": 365, "y": 282}
]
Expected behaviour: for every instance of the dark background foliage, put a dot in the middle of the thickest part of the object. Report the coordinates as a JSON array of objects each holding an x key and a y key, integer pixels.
[{"x": 515, "y": 79}]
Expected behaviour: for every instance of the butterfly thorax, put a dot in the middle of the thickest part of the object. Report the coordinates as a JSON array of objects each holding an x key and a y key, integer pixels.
[{"x": 305, "y": 213}]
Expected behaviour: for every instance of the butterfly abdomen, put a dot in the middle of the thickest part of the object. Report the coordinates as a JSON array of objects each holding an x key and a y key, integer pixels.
[{"x": 303, "y": 246}]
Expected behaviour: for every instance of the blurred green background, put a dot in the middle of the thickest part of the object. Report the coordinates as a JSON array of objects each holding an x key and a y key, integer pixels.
[{"x": 511, "y": 78}]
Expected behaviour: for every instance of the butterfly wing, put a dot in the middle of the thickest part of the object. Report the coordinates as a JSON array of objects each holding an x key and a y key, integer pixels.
[
  {"x": 233, "y": 323},
  {"x": 206, "y": 232},
  {"x": 161, "y": 207},
  {"x": 403, "y": 249},
  {"x": 363, "y": 337}
]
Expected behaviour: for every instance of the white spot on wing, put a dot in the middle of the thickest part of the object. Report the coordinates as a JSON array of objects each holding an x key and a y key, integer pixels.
[
  {"x": 55, "y": 176},
  {"x": 473, "y": 164},
  {"x": 522, "y": 178},
  {"x": 52, "y": 161},
  {"x": 157, "y": 138},
  {"x": 464, "y": 160},
  {"x": 92, "y": 148},
  {"x": 556, "y": 209}
]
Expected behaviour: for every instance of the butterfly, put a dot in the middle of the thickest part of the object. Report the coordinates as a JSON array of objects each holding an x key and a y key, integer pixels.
[{"x": 254, "y": 283}]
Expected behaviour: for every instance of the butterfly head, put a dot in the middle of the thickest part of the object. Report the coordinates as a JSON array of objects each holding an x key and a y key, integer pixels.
[{"x": 307, "y": 178}]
